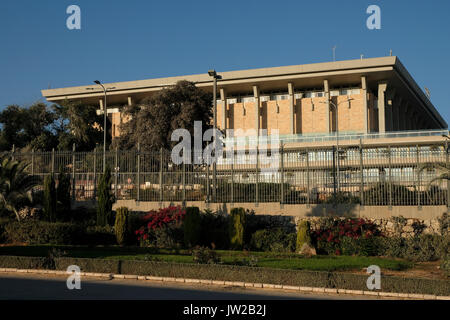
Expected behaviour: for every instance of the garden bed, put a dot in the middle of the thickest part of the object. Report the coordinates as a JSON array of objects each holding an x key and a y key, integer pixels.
[{"x": 258, "y": 259}]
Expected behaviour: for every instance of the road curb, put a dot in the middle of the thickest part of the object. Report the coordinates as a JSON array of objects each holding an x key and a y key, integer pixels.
[{"x": 234, "y": 284}]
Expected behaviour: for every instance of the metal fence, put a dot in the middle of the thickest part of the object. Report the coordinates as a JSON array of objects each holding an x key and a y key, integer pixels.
[{"x": 390, "y": 175}]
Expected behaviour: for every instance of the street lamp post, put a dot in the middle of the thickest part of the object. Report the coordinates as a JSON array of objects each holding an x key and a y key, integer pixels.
[
  {"x": 337, "y": 144},
  {"x": 213, "y": 73},
  {"x": 105, "y": 115}
]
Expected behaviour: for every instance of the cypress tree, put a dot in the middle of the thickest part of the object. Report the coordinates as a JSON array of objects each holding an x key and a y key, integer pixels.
[
  {"x": 121, "y": 225},
  {"x": 105, "y": 199},
  {"x": 63, "y": 195},
  {"x": 50, "y": 198}
]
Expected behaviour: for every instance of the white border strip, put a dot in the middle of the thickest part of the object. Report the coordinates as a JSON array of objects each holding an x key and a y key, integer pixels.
[{"x": 235, "y": 284}]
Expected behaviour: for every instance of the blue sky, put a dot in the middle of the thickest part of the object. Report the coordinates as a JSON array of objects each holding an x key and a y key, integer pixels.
[{"x": 131, "y": 40}]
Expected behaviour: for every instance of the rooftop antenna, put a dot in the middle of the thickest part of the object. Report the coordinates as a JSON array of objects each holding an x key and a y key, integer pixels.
[
  {"x": 334, "y": 53},
  {"x": 427, "y": 91},
  {"x": 390, "y": 52}
]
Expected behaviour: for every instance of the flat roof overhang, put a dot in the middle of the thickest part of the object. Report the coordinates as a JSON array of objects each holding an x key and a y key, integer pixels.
[{"x": 309, "y": 76}]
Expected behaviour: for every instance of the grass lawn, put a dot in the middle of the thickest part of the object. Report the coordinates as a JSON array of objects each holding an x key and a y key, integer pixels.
[{"x": 264, "y": 259}]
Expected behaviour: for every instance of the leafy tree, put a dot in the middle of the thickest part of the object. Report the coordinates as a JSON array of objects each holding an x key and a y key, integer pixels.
[
  {"x": 105, "y": 198},
  {"x": 63, "y": 194},
  {"x": 78, "y": 123},
  {"x": 152, "y": 121},
  {"x": 50, "y": 198},
  {"x": 15, "y": 185},
  {"x": 24, "y": 127}
]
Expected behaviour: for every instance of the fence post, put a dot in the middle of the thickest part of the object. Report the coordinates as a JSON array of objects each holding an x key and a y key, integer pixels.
[
  {"x": 138, "y": 180},
  {"x": 184, "y": 183},
  {"x": 308, "y": 187},
  {"x": 448, "y": 182},
  {"x": 73, "y": 174},
  {"x": 232, "y": 178},
  {"x": 116, "y": 169},
  {"x": 418, "y": 176},
  {"x": 161, "y": 175},
  {"x": 208, "y": 184},
  {"x": 95, "y": 173},
  {"x": 361, "y": 168},
  {"x": 32, "y": 162},
  {"x": 53, "y": 160},
  {"x": 282, "y": 172},
  {"x": 257, "y": 177},
  {"x": 390, "y": 177}
]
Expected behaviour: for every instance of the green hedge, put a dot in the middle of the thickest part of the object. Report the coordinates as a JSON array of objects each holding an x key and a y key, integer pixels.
[
  {"x": 42, "y": 232},
  {"x": 237, "y": 273},
  {"x": 34, "y": 232}
]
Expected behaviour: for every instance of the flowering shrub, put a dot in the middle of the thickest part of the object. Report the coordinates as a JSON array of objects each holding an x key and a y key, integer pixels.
[
  {"x": 347, "y": 236},
  {"x": 161, "y": 228}
]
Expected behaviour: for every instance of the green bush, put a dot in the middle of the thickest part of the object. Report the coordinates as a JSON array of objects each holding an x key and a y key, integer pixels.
[
  {"x": 98, "y": 235},
  {"x": 204, "y": 255},
  {"x": 121, "y": 225},
  {"x": 63, "y": 196},
  {"x": 3, "y": 222},
  {"x": 192, "y": 227},
  {"x": 105, "y": 199},
  {"x": 303, "y": 234},
  {"x": 236, "y": 228},
  {"x": 50, "y": 198},
  {"x": 360, "y": 247},
  {"x": 214, "y": 230},
  {"x": 42, "y": 232},
  {"x": 276, "y": 240},
  {"x": 425, "y": 247},
  {"x": 445, "y": 265}
]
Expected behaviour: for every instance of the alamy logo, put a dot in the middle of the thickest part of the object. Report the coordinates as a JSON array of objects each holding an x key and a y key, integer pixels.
[
  {"x": 374, "y": 281},
  {"x": 74, "y": 20},
  {"x": 374, "y": 20},
  {"x": 247, "y": 147},
  {"x": 74, "y": 280}
]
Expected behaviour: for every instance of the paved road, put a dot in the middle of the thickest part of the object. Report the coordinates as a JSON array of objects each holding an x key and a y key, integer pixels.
[{"x": 36, "y": 286}]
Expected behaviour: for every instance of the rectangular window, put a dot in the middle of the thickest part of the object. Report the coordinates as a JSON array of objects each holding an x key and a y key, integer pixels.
[{"x": 334, "y": 93}]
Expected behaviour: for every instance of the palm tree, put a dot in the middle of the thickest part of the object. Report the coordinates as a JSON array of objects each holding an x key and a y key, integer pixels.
[
  {"x": 15, "y": 184},
  {"x": 442, "y": 170}
]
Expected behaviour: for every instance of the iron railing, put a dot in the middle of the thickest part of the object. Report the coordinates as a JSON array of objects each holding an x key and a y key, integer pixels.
[{"x": 389, "y": 175}]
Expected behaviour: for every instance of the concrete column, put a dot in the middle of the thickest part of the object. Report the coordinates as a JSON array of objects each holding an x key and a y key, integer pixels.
[
  {"x": 291, "y": 107},
  {"x": 365, "y": 109},
  {"x": 256, "y": 96},
  {"x": 326, "y": 89},
  {"x": 100, "y": 101},
  {"x": 390, "y": 110},
  {"x": 129, "y": 101},
  {"x": 397, "y": 106},
  {"x": 223, "y": 100},
  {"x": 382, "y": 107}
]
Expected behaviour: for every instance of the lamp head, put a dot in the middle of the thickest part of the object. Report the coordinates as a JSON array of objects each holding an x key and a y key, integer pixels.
[
  {"x": 212, "y": 73},
  {"x": 97, "y": 82}
]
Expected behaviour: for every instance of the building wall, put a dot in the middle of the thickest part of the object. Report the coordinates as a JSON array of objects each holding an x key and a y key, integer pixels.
[{"x": 310, "y": 115}]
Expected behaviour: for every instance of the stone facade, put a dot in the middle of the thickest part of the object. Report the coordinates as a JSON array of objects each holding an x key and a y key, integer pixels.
[{"x": 394, "y": 226}]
